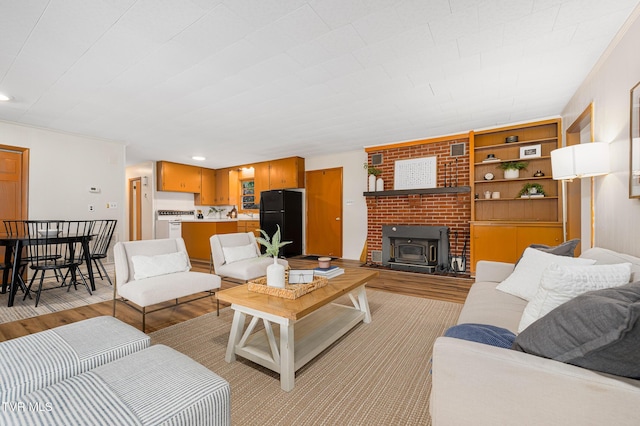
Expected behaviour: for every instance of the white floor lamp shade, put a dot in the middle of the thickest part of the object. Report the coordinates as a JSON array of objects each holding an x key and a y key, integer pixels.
[{"x": 581, "y": 160}]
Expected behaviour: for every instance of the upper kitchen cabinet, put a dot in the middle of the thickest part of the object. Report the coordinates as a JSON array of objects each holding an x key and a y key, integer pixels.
[
  {"x": 222, "y": 187},
  {"x": 178, "y": 177},
  {"x": 207, "y": 195},
  {"x": 261, "y": 179},
  {"x": 286, "y": 173},
  {"x": 227, "y": 181}
]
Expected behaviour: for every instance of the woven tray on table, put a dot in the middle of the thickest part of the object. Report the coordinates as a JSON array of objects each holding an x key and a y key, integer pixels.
[{"x": 291, "y": 291}]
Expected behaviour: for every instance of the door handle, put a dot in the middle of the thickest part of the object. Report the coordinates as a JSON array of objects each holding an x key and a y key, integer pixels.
[{"x": 337, "y": 218}]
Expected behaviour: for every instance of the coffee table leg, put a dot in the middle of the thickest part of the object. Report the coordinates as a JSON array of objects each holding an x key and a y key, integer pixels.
[
  {"x": 235, "y": 335},
  {"x": 287, "y": 370},
  {"x": 364, "y": 304}
]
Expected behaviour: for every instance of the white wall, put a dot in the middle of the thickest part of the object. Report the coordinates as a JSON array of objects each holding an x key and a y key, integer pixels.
[
  {"x": 608, "y": 86},
  {"x": 63, "y": 166},
  {"x": 354, "y": 178}
]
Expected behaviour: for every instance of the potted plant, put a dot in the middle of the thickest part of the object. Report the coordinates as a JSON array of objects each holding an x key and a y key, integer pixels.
[
  {"x": 373, "y": 173},
  {"x": 275, "y": 272},
  {"x": 512, "y": 168},
  {"x": 529, "y": 189}
]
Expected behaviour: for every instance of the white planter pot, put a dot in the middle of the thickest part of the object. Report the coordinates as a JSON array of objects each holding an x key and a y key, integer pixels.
[
  {"x": 372, "y": 183},
  {"x": 275, "y": 275},
  {"x": 511, "y": 174},
  {"x": 379, "y": 184}
]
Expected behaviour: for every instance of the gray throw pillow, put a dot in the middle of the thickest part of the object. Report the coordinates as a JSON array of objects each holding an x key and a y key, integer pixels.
[
  {"x": 598, "y": 330},
  {"x": 565, "y": 249}
]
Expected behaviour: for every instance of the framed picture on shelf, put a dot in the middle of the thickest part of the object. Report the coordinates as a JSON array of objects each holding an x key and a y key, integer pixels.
[{"x": 531, "y": 151}]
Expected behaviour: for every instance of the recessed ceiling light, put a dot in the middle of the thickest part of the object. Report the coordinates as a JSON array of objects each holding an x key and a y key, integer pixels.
[
  {"x": 4, "y": 98},
  {"x": 198, "y": 158}
]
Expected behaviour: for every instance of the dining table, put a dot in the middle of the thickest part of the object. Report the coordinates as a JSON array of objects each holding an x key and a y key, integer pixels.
[{"x": 14, "y": 246}]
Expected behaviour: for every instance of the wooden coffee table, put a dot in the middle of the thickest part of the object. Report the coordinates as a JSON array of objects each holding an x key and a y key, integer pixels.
[{"x": 308, "y": 324}]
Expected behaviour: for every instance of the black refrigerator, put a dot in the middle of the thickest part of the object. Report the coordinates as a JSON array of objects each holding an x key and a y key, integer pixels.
[{"x": 284, "y": 208}]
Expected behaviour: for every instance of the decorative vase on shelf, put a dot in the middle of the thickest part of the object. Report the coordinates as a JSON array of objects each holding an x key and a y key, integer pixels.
[
  {"x": 275, "y": 274},
  {"x": 379, "y": 184},
  {"x": 511, "y": 173},
  {"x": 372, "y": 183}
]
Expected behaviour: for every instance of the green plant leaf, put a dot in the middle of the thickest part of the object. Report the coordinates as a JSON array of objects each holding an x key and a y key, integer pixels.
[{"x": 272, "y": 245}]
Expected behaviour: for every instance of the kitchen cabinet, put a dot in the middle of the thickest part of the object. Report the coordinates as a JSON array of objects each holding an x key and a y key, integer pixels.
[
  {"x": 207, "y": 195},
  {"x": 196, "y": 236},
  {"x": 286, "y": 173},
  {"x": 222, "y": 187},
  {"x": 249, "y": 226},
  {"x": 177, "y": 177},
  {"x": 260, "y": 179},
  {"x": 503, "y": 226},
  {"x": 226, "y": 187}
]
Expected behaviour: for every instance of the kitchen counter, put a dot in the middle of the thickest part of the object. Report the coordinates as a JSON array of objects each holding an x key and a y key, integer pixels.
[
  {"x": 196, "y": 234},
  {"x": 210, "y": 219}
]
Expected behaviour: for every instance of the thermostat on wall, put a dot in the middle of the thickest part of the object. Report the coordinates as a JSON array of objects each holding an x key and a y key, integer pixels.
[{"x": 94, "y": 189}]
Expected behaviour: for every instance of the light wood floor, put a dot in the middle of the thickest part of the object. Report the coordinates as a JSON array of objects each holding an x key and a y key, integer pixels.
[{"x": 451, "y": 289}]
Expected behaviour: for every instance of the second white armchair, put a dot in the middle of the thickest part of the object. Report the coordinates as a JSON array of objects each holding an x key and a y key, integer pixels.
[{"x": 237, "y": 256}]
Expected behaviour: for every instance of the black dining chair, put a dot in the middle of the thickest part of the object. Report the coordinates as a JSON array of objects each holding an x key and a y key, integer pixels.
[
  {"x": 57, "y": 246},
  {"x": 77, "y": 250},
  {"x": 103, "y": 234}
]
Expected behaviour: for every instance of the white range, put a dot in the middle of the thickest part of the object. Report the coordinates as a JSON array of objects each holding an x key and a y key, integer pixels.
[{"x": 169, "y": 222}]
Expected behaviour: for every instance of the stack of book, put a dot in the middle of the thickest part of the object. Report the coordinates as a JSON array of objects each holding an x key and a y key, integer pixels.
[{"x": 330, "y": 272}]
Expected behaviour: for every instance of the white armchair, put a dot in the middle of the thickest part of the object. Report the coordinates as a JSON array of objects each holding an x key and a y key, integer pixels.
[
  {"x": 149, "y": 272},
  {"x": 237, "y": 256}
]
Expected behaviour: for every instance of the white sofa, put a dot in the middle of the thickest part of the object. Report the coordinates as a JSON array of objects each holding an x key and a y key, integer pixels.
[
  {"x": 478, "y": 384},
  {"x": 245, "y": 269},
  {"x": 145, "y": 292}
]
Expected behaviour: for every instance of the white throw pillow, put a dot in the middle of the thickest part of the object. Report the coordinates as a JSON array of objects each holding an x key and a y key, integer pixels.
[
  {"x": 161, "y": 264},
  {"x": 525, "y": 278},
  {"x": 559, "y": 284},
  {"x": 234, "y": 254}
]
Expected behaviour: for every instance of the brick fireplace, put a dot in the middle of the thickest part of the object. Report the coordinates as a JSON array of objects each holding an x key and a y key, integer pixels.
[{"x": 451, "y": 210}]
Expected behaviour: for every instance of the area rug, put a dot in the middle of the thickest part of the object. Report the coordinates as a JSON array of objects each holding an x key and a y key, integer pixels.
[
  {"x": 55, "y": 299},
  {"x": 377, "y": 374}
]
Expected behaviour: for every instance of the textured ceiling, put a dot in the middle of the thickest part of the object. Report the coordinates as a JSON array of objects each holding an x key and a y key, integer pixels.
[{"x": 248, "y": 80}]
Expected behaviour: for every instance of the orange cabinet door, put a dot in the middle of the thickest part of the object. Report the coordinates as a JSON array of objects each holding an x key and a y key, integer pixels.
[
  {"x": 222, "y": 187},
  {"x": 527, "y": 235},
  {"x": 497, "y": 243},
  {"x": 287, "y": 173},
  {"x": 178, "y": 177},
  {"x": 207, "y": 194}
]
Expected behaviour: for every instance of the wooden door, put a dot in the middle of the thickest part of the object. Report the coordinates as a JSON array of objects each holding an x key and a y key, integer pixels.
[
  {"x": 14, "y": 172},
  {"x": 324, "y": 212},
  {"x": 135, "y": 209},
  {"x": 573, "y": 194},
  {"x": 581, "y": 128},
  {"x": 11, "y": 189}
]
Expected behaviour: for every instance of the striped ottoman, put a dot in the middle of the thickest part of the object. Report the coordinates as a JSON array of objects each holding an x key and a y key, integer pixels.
[
  {"x": 38, "y": 360},
  {"x": 158, "y": 385}
]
